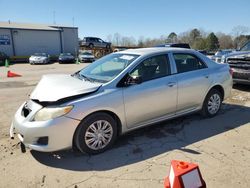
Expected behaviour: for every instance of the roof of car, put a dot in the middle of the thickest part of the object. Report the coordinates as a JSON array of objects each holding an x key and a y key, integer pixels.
[{"x": 145, "y": 51}]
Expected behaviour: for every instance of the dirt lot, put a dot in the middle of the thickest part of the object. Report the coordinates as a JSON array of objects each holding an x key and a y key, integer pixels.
[{"x": 221, "y": 145}]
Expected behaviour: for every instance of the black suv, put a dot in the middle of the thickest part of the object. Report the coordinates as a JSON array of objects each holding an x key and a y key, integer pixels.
[{"x": 95, "y": 42}]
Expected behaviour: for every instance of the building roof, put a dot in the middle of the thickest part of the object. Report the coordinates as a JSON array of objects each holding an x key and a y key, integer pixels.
[{"x": 14, "y": 25}]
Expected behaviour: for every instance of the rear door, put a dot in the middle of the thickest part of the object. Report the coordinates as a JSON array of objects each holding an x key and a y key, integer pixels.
[
  {"x": 193, "y": 81},
  {"x": 155, "y": 97}
]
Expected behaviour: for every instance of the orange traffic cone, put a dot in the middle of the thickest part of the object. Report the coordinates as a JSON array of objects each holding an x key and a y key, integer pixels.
[
  {"x": 184, "y": 175},
  {"x": 12, "y": 74}
]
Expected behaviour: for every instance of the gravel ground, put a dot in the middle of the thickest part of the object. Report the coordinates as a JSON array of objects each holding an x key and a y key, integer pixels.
[{"x": 220, "y": 145}]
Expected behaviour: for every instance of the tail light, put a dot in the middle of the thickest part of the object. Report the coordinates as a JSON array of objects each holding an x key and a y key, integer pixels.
[{"x": 231, "y": 71}]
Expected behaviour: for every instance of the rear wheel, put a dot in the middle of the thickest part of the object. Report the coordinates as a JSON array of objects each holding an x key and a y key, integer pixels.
[
  {"x": 96, "y": 133},
  {"x": 91, "y": 45},
  {"x": 212, "y": 103}
]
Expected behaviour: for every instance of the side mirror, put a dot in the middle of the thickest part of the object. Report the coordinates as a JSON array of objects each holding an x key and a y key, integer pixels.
[{"x": 133, "y": 80}]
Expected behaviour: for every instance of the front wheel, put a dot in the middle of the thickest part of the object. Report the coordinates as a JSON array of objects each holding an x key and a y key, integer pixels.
[
  {"x": 96, "y": 133},
  {"x": 212, "y": 103}
]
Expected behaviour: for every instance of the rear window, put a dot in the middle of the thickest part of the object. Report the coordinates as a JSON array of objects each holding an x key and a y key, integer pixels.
[{"x": 187, "y": 62}]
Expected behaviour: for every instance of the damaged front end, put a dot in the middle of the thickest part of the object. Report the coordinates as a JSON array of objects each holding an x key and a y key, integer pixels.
[{"x": 41, "y": 122}]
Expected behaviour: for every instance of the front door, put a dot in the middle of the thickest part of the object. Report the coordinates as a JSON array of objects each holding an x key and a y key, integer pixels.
[{"x": 155, "y": 97}]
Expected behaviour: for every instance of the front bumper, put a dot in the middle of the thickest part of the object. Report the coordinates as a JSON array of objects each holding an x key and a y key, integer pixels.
[
  {"x": 241, "y": 76},
  {"x": 59, "y": 131},
  {"x": 37, "y": 62},
  {"x": 87, "y": 59},
  {"x": 66, "y": 60}
]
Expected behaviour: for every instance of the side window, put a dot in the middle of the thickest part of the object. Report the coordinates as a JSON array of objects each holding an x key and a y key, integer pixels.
[
  {"x": 152, "y": 68},
  {"x": 187, "y": 62}
]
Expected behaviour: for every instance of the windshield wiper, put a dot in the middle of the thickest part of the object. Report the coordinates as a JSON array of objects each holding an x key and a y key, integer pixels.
[{"x": 81, "y": 76}]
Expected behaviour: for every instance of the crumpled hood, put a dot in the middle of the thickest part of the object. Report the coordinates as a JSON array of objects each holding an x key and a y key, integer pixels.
[{"x": 53, "y": 87}]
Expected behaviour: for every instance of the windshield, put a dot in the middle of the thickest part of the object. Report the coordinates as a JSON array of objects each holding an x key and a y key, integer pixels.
[
  {"x": 40, "y": 54},
  {"x": 246, "y": 47},
  {"x": 108, "y": 67}
]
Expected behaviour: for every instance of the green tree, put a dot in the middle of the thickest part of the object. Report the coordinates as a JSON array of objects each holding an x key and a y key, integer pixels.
[
  {"x": 194, "y": 37},
  {"x": 194, "y": 34},
  {"x": 172, "y": 37},
  {"x": 200, "y": 44},
  {"x": 212, "y": 42}
]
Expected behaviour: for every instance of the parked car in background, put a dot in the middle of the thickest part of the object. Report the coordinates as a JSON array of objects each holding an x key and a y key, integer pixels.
[
  {"x": 86, "y": 56},
  {"x": 39, "y": 58},
  {"x": 175, "y": 45},
  {"x": 239, "y": 61},
  {"x": 66, "y": 58},
  {"x": 118, "y": 93},
  {"x": 3, "y": 57},
  {"x": 95, "y": 42},
  {"x": 218, "y": 55},
  {"x": 118, "y": 49},
  {"x": 204, "y": 52}
]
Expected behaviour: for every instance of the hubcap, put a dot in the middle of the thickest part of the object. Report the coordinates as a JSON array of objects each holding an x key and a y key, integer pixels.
[
  {"x": 98, "y": 134},
  {"x": 214, "y": 103}
]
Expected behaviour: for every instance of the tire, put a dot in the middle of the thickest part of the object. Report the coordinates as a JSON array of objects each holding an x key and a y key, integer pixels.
[
  {"x": 212, "y": 103},
  {"x": 108, "y": 46},
  {"x": 98, "y": 142},
  {"x": 91, "y": 45}
]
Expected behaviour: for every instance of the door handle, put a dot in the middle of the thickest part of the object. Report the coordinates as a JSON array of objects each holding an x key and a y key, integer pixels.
[
  {"x": 171, "y": 84},
  {"x": 206, "y": 76}
]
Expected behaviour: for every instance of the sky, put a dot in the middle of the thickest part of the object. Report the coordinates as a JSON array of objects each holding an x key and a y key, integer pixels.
[{"x": 135, "y": 18}]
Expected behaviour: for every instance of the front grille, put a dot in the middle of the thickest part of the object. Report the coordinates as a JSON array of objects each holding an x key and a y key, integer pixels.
[
  {"x": 25, "y": 111},
  {"x": 239, "y": 63},
  {"x": 238, "y": 74}
]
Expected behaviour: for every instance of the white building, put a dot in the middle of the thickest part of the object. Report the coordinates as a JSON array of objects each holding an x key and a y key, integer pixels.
[{"x": 18, "y": 39}]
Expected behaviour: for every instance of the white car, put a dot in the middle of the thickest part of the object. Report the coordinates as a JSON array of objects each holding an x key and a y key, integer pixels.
[
  {"x": 86, "y": 57},
  {"x": 39, "y": 58}
]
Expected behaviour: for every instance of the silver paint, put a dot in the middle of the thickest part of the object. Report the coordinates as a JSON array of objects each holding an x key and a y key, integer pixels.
[{"x": 135, "y": 106}]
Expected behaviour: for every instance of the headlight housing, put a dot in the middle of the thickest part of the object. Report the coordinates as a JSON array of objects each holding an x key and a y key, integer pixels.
[
  {"x": 223, "y": 59},
  {"x": 50, "y": 113}
]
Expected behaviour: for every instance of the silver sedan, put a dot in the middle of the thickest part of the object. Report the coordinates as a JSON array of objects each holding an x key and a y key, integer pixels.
[{"x": 118, "y": 93}]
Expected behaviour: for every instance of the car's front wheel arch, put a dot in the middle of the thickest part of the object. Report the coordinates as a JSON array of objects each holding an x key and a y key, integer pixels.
[{"x": 118, "y": 128}]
